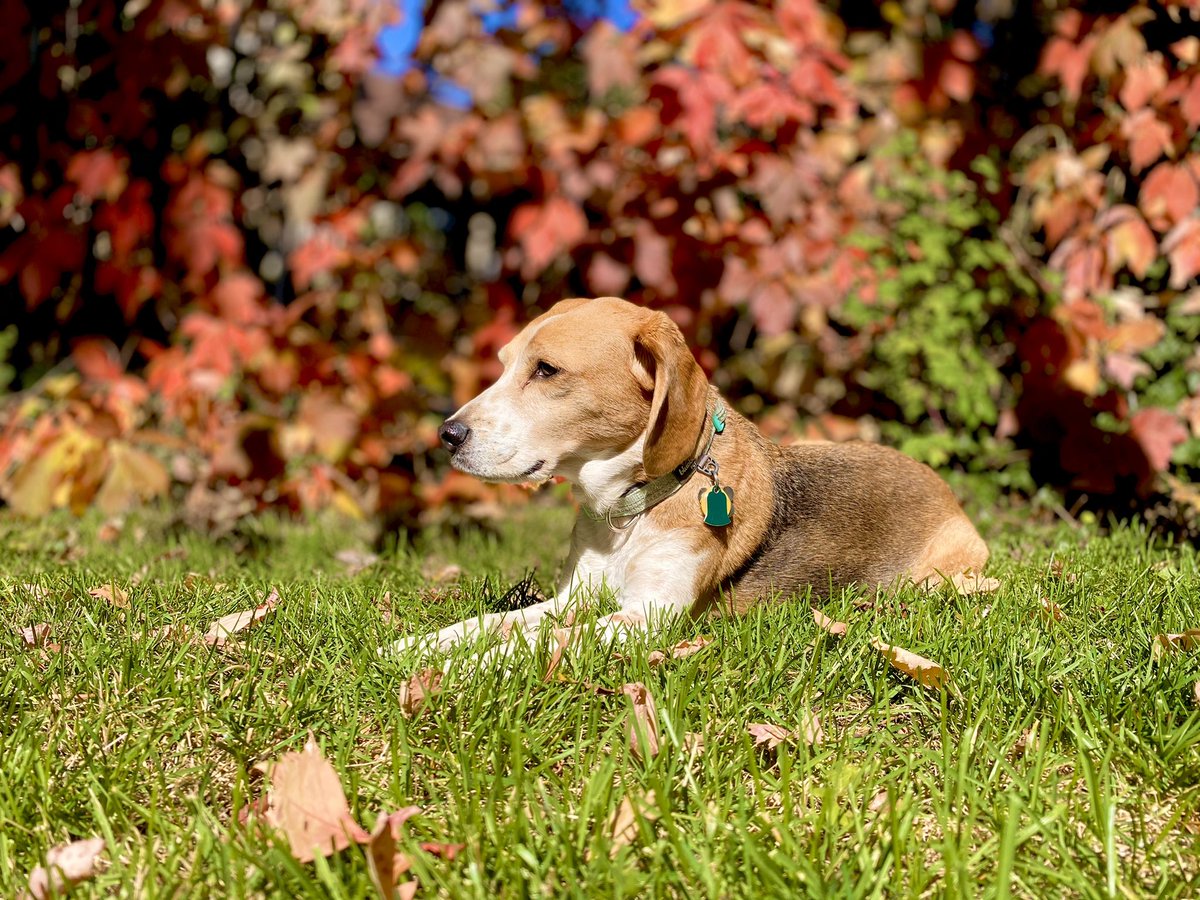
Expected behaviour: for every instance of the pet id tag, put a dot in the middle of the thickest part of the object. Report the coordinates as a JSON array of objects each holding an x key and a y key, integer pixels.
[{"x": 718, "y": 506}]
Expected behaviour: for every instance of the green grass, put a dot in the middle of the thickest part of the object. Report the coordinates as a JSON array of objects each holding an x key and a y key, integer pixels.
[{"x": 151, "y": 743}]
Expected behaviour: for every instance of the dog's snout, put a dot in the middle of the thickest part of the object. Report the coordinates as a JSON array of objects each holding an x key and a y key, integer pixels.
[{"x": 453, "y": 434}]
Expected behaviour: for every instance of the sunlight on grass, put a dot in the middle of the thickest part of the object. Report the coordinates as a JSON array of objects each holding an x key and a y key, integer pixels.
[{"x": 1061, "y": 759}]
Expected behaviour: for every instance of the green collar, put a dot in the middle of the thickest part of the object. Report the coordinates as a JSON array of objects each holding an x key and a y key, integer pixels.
[{"x": 642, "y": 497}]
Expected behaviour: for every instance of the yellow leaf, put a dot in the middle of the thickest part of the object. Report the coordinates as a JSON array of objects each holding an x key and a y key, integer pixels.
[{"x": 925, "y": 671}]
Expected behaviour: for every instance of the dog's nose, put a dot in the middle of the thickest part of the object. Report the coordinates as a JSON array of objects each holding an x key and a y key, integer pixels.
[{"x": 453, "y": 434}]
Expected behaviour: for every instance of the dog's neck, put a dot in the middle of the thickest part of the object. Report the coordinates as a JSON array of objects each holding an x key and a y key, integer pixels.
[{"x": 600, "y": 482}]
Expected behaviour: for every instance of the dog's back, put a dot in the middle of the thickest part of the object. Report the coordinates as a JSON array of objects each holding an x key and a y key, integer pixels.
[{"x": 847, "y": 513}]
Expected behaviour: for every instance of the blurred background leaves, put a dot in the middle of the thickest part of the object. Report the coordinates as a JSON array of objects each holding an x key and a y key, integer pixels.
[{"x": 252, "y": 251}]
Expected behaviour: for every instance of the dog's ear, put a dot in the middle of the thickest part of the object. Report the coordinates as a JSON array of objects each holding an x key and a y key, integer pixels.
[{"x": 680, "y": 400}]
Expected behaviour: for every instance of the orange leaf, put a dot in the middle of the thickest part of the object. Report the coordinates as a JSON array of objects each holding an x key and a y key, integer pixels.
[
  {"x": 1164, "y": 644},
  {"x": 66, "y": 864},
  {"x": 679, "y": 651},
  {"x": 412, "y": 695},
  {"x": 112, "y": 594},
  {"x": 306, "y": 802},
  {"x": 383, "y": 862},
  {"x": 925, "y": 671},
  {"x": 828, "y": 625},
  {"x": 1131, "y": 243},
  {"x": 645, "y": 720}
]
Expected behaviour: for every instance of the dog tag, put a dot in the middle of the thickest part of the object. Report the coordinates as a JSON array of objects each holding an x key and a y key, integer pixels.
[{"x": 718, "y": 506}]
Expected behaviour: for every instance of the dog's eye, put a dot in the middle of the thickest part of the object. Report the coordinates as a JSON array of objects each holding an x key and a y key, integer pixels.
[{"x": 544, "y": 370}]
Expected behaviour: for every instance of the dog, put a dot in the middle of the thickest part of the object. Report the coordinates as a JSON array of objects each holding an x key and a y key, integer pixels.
[{"x": 686, "y": 507}]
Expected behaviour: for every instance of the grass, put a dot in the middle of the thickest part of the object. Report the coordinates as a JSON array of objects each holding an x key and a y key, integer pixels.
[{"x": 152, "y": 742}]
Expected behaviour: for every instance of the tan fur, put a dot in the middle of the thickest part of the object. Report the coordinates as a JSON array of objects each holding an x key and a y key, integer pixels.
[{"x": 628, "y": 404}]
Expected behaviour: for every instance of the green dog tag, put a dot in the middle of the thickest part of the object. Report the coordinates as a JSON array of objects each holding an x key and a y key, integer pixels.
[{"x": 718, "y": 506}]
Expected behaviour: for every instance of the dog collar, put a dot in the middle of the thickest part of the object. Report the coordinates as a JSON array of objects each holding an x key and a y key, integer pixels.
[{"x": 642, "y": 497}]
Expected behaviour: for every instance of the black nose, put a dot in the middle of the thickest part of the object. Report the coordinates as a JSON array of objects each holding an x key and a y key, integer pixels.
[{"x": 453, "y": 434}]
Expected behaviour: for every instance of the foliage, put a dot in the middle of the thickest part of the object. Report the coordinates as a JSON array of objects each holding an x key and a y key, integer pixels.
[{"x": 256, "y": 248}]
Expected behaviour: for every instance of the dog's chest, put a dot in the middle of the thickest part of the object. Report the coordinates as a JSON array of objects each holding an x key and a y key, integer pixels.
[{"x": 639, "y": 559}]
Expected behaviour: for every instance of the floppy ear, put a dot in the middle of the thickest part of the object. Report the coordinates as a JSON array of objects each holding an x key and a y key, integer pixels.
[{"x": 680, "y": 400}]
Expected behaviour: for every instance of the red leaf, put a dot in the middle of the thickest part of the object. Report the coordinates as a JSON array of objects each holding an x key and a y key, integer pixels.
[
  {"x": 97, "y": 174},
  {"x": 652, "y": 258},
  {"x": 1143, "y": 81},
  {"x": 1157, "y": 431},
  {"x": 1182, "y": 247},
  {"x": 1169, "y": 194},
  {"x": 1149, "y": 138},
  {"x": 1131, "y": 243},
  {"x": 547, "y": 232}
]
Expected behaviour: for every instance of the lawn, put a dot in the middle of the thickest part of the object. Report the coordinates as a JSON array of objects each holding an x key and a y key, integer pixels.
[{"x": 1063, "y": 758}]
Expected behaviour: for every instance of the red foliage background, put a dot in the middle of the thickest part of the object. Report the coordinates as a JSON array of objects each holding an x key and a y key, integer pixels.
[{"x": 241, "y": 258}]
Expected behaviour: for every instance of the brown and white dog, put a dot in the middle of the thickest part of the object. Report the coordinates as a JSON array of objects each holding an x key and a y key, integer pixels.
[{"x": 608, "y": 396}]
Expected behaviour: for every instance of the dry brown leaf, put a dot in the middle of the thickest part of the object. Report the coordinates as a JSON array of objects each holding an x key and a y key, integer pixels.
[
  {"x": 37, "y": 636},
  {"x": 1164, "y": 644},
  {"x": 443, "y": 850},
  {"x": 925, "y": 671},
  {"x": 66, "y": 864},
  {"x": 623, "y": 826},
  {"x": 1196, "y": 692},
  {"x": 1050, "y": 610},
  {"x": 1030, "y": 740},
  {"x": 562, "y": 637},
  {"x": 879, "y": 803},
  {"x": 112, "y": 594},
  {"x": 220, "y": 631},
  {"x": 645, "y": 719},
  {"x": 356, "y": 561},
  {"x": 446, "y": 574},
  {"x": 811, "y": 730},
  {"x": 412, "y": 695},
  {"x": 36, "y": 591},
  {"x": 766, "y": 735},
  {"x": 174, "y": 631},
  {"x": 679, "y": 651},
  {"x": 383, "y": 862},
  {"x": 693, "y": 743},
  {"x": 975, "y": 584},
  {"x": 110, "y": 531},
  {"x": 306, "y": 802},
  {"x": 828, "y": 625}
]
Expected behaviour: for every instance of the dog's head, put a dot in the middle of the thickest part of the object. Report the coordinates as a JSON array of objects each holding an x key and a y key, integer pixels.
[{"x": 587, "y": 380}]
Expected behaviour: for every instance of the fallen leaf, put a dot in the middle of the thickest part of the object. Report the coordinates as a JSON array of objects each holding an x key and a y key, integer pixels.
[
  {"x": 443, "y": 850},
  {"x": 175, "y": 630},
  {"x": 975, "y": 584},
  {"x": 1030, "y": 740},
  {"x": 1196, "y": 692},
  {"x": 383, "y": 862},
  {"x": 1050, "y": 609},
  {"x": 828, "y": 625},
  {"x": 645, "y": 719},
  {"x": 112, "y": 594},
  {"x": 36, "y": 591},
  {"x": 446, "y": 574},
  {"x": 413, "y": 694},
  {"x": 1164, "y": 644},
  {"x": 66, "y": 864},
  {"x": 562, "y": 637},
  {"x": 36, "y": 635},
  {"x": 769, "y": 736},
  {"x": 811, "y": 730},
  {"x": 925, "y": 671},
  {"x": 879, "y": 803},
  {"x": 679, "y": 651},
  {"x": 306, "y": 802},
  {"x": 356, "y": 561},
  {"x": 623, "y": 826},
  {"x": 693, "y": 742},
  {"x": 220, "y": 631},
  {"x": 110, "y": 531}
]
